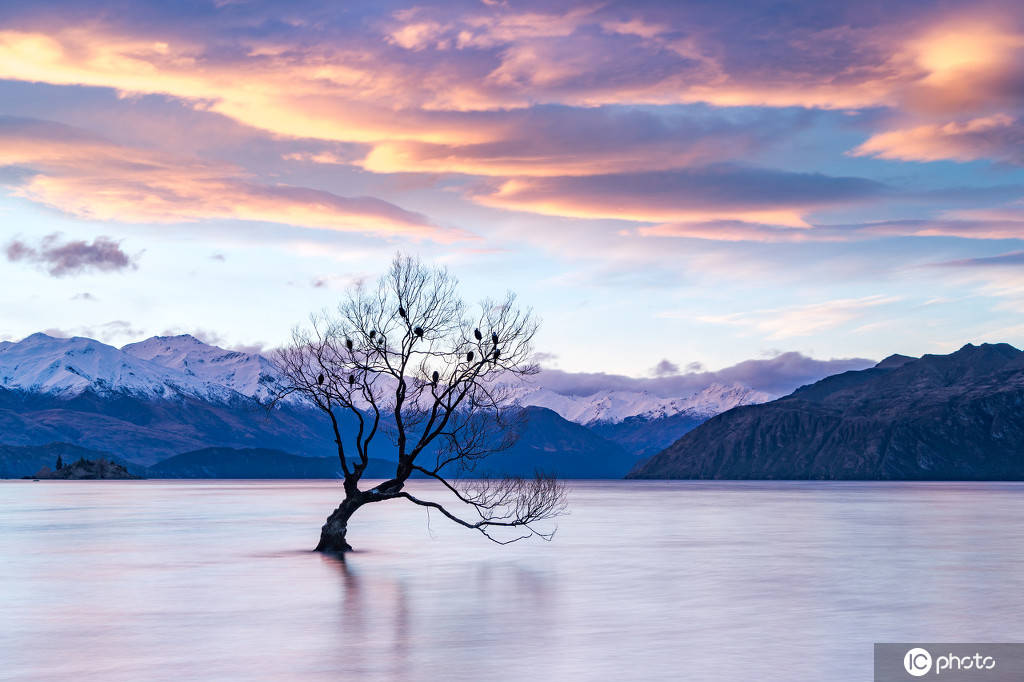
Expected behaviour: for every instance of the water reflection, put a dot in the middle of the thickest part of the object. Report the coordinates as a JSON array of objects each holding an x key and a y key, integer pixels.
[{"x": 213, "y": 580}]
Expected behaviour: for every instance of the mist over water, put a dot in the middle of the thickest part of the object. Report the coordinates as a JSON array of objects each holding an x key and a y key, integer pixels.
[{"x": 190, "y": 580}]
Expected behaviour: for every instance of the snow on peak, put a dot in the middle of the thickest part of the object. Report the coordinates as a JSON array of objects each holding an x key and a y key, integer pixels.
[
  {"x": 160, "y": 367},
  {"x": 614, "y": 406},
  {"x": 246, "y": 373},
  {"x": 169, "y": 366},
  {"x": 45, "y": 364}
]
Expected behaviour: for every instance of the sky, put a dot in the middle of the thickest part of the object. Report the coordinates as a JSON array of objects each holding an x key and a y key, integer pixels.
[{"x": 673, "y": 187}]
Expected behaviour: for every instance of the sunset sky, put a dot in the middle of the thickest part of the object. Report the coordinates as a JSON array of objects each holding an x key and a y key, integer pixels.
[{"x": 696, "y": 182}]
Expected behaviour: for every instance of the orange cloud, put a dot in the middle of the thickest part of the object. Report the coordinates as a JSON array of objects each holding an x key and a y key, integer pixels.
[
  {"x": 342, "y": 96},
  {"x": 99, "y": 180},
  {"x": 433, "y": 93},
  {"x": 553, "y": 141},
  {"x": 699, "y": 195},
  {"x": 999, "y": 137},
  {"x": 966, "y": 62},
  {"x": 365, "y": 94}
]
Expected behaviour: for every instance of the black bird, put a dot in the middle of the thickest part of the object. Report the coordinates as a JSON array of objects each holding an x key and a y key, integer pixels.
[
  {"x": 418, "y": 331},
  {"x": 496, "y": 354},
  {"x": 348, "y": 342},
  {"x": 320, "y": 380},
  {"x": 401, "y": 311},
  {"x": 469, "y": 356},
  {"x": 435, "y": 377},
  {"x": 477, "y": 334},
  {"x": 494, "y": 338},
  {"x": 373, "y": 334},
  {"x": 351, "y": 380}
]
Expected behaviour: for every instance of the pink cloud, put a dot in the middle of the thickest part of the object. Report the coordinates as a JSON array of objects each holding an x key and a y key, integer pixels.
[
  {"x": 698, "y": 195},
  {"x": 998, "y": 137},
  {"x": 96, "y": 179}
]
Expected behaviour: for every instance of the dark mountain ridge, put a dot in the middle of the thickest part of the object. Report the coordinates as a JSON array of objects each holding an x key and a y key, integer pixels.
[
  {"x": 146, "y": 430},
  {"x": 193, "y": 439},
  {"x": 938, "y": 417}
]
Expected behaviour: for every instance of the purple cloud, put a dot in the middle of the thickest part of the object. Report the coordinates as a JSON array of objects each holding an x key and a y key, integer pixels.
[
  {"x": 72, "y": 257},
  {"x": 718, "y": 192},
  {"x": 778, "y": 375},
  {"x": 665, "y": 368}
]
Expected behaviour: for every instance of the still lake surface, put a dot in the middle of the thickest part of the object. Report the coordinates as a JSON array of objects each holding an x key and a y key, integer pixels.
[{"x": 211, "y": 580}]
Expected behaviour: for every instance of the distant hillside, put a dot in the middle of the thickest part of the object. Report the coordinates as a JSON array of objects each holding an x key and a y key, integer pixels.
[
  {"x": 172, "y": 394},
  {"x": 643, "y": 436},
  {"x": 554, "y": 445},
  {"x": 939, "y": 417},
  {"x": 17, "y": 461},
  {"x": 547, "y": 442},
  {"x": 144, "y": 430},
  {"x": 255, "y": 463}
]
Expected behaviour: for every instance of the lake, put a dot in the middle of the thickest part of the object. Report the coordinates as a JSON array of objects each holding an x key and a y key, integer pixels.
[{"x": 212, "y": 580}]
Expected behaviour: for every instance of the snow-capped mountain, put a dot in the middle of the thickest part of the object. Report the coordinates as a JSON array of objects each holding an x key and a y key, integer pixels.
[
  {"x": 168, "y": 395},
  {"x": 615, "y": 406},
  {"x": 246, "y": 373},
  {"x": 157, "y": 368},
  {"x": 167, "y": 366}
]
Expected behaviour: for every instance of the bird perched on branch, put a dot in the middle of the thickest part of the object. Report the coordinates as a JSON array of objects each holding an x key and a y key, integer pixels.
[
  {"x": 434, "y": 377},
  {"x": 320, "y": 380},
  {"x": 401, "y": 311},
  {"x": 469, "y": 356},
  {"x": 418, "y": 331},
  {"x": 373, "y": 334},
  {"x": 351, "y": 380},
  {"x": 494, "y": 338},
  {"x": 477, "y": 334},
  {"x": 348, "y": 343}
]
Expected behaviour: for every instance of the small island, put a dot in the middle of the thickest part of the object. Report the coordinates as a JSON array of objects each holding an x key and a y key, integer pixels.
[{"x": 83, "y": 470}]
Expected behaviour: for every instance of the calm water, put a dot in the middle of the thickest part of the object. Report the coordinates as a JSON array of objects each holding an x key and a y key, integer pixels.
[{"x": 153, "y": 580}]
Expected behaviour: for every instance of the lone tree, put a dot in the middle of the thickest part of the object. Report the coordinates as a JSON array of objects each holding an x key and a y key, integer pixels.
[{"x": 405, "y": 366}]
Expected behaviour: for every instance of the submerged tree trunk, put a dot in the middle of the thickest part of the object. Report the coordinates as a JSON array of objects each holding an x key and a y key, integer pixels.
[{"x": 332, "y": 534}]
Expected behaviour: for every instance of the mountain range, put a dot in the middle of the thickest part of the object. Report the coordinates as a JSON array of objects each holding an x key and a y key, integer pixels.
[
  {"x": 169, "y": 395},
  {"x": 173, "y": 406},
  {"x": 938, "y": 417}
]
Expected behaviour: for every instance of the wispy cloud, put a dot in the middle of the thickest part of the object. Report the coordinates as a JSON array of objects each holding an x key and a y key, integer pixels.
[
  {"x": 1011, "y": 259},
  {"x": 544, "y": 141},
  {"x": 92, "y": 178},
  {"x": 107, "y": 332},
  {"x": 720, "y": 192},
  {"x": 802, "y": 320},
  {"x": 998, "y": 137},
  {"x": 985, "y": 225}
]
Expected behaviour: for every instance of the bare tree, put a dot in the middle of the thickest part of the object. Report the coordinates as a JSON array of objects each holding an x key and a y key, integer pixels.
[{"x": 414, "y": 372}]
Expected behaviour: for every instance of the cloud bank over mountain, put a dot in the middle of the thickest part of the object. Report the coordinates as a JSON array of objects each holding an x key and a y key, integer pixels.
[{"x": 777, "y": 375}]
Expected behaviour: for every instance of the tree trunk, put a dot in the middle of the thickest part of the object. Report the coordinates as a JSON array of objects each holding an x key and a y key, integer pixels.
[{"x": 332, "y": 534}]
